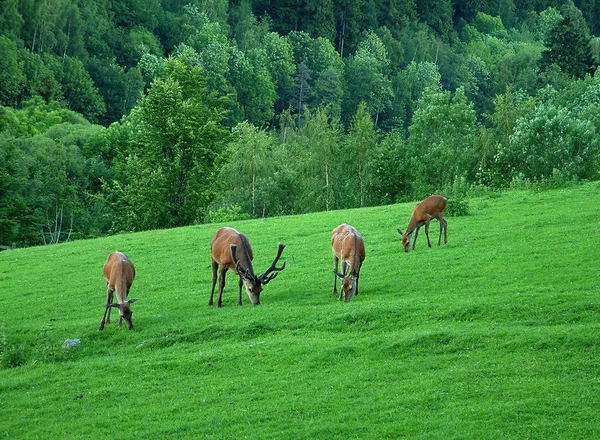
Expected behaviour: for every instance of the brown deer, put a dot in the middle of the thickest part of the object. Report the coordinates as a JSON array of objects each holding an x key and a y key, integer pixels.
[
  {"x": 231, "y": 250},
  {"x": 119, "y": 273},
  {"x": 347, "y": 245},
  {"x": 425, "y": 211}
]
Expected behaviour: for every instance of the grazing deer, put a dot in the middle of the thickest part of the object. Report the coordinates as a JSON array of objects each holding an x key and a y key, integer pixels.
[
  {"x": 231, "y": 250},
  {"x": 347, "y": 245},
  {"x": 425, "y": 211},
  {"x": 119, "y": 273}
]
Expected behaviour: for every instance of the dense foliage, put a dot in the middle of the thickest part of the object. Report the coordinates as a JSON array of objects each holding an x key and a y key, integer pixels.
[{"x": 130, "y": 115}]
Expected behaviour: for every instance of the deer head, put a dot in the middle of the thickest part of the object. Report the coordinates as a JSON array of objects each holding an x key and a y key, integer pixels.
[
  {"x": 125, "y": 312},
  {"x": 349, "y": 283},
  {"x": 254, "y": 284},
  {"x": 405, "y": 240}
]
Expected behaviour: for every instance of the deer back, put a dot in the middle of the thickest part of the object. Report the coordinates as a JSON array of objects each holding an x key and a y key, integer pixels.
[
  {"x": 433, "y": 206},
  {"x": 221, "y": 249},
  {"x": 348, "y": 245},
  {"x": 119, "y": 273}
]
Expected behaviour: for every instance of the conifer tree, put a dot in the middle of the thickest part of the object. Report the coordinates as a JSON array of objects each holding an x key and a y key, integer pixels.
[{"x": 568, "y": 45}]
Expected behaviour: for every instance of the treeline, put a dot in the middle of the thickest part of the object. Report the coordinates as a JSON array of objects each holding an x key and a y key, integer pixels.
[{"x": 131, "y": 115}]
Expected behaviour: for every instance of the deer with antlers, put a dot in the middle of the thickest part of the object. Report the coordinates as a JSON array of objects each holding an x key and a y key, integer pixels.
[
  {"x": 119, "y": 273},
  {"x": 349, "y": 247},
  {"x": 231, "y": 250},
  {"x": 425, "y": 211}
]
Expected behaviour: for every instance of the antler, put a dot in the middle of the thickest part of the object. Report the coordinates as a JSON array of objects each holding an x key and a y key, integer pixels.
[
  {"x": 265, "y": 277},
  {"x": 238, "y": 267}
]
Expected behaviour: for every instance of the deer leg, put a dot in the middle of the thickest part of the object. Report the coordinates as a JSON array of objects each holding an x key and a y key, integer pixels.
[
  {"x": 441, "y": 222},
  {"x": 222, "y": 274},
  {"x": 416, "y": 235},
  {"x": 215, "y": 267},
  {"x": 445, "y": 231},
  {"x": 427, "y": 232},
  {"x": 240, "y": 283},
  {"x": 109, "y": 296},
  {"x": 336, "y": 262},
  {"x": 109, "y": 303}
]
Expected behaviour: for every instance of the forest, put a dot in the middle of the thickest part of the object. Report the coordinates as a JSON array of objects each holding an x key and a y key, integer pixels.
[{"x": 129, "y": 115}]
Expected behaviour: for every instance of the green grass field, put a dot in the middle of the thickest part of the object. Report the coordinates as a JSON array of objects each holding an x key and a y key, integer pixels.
[{"x": 494, "y": 335}]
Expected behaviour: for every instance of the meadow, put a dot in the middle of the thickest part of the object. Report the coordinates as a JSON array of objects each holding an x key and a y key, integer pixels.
[{"x": 494, "y": 335}]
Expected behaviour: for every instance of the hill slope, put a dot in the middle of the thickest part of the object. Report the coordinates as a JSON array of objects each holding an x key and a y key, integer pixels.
[{"x": 494, "y": 335}]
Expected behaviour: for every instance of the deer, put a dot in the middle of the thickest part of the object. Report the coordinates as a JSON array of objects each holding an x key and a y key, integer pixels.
[
  {"x": 349, "y": 247},
  {"x": 231, "y": 250},
  {"x": 119, "y": 273},
  {"x": 425, "y": 211}
]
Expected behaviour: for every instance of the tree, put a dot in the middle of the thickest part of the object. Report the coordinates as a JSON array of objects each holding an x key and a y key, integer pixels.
[
  {"x": 255, "y": 90},
  {"x": 150, "y": 67},
  {"x": 367, "y": 78},
  {"x": 11, "y": 20},
  {"x": 46, "y": 182},
  {"x": 328, "y": 91},
  {"x": 568, "y": 45},
  {"x": 519, "y": 69},
  {"x": 552, "y": 139},
  {"x": 13, "y": 182},
  {"x": 138, "y": 42},
  {"x": 316, "y": 147},
  {"x": 438, "y": 15},
  {"x": 494, "y": 170},
  {"x": 214, "y": 52},
  {"x": 101, "y": 37},
  {"x": 244, "y": 176},
  {"x": 442, "y": 141},
  {"x": 39, "y": 79},
  {"x": 177, "y": 136},
  {"x": 318, "y": 80},
  {"x": 120, "y": 88},
  {"x": 319, "y": 19},
  {"x": 302, "y": 88},
  {"x": 11, "y": 74},
  {"x": 78, "y": 89},
  {"x": 248, "y": 32},
  {"x": 396, "y": 14},
  {"x": 408, "y": 87},
  {"x": 281, "y": 67},
  {"x": 389, "y": 171},
  {"x": 349, "y": 17},
  {"x": 361, "y": 142}
]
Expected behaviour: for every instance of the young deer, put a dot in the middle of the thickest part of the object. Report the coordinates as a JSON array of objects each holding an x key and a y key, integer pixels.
[
  {"x": 430, "y": 208},
  {"x": 119, "y": 273},
  {"x": 231, "y": 250},
  {"x": 347, "y": 245}
]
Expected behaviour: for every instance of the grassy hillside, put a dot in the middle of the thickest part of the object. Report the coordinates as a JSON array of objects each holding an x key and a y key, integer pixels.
[{"x": 494, "y": 335}]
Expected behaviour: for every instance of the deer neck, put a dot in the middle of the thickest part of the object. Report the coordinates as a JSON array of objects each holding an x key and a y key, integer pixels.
[{"x": 412, "y": 225}]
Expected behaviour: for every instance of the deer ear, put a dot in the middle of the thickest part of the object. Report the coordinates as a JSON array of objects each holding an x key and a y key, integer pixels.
[
  {"x": 132, "y": 300},
  {"x": 400, "y": 232},
  {"x": 115, "y": 305},
  {"x": 338, "y": 274}
]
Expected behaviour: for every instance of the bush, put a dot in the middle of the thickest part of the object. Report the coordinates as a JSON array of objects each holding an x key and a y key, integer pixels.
[
  {"x": 226, "y": 214},
  {"x": 457, "y": 207},
  {"x": 554, "y": 139}
]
